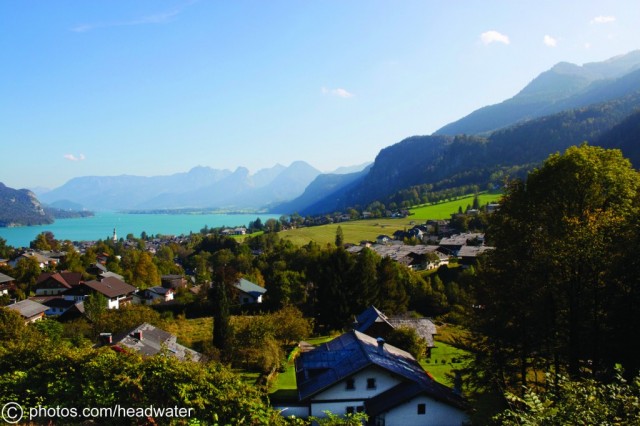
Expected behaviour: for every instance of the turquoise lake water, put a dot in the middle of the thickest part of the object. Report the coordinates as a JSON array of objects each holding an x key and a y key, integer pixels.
[{"x": 101, "y": 226}]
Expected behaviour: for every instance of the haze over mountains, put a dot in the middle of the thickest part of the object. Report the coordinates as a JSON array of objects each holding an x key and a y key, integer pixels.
[{"x": 566, "y": 105}]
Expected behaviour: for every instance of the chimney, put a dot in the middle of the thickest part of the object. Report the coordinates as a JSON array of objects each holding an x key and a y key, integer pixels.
[
  {"x": 380, "y": 341},
  {"x": 137, "y": 334},
  {"x": 106, "y": 338}
]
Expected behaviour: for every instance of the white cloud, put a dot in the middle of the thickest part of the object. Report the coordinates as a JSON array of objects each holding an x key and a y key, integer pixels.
[
  {"x": 603, "y": 19},
  {"x": 550, "y": 41},
  {"x": 494, "y": 37},
  {"x": 341, "y": 93},
  {"x": 72, "y": 157}
]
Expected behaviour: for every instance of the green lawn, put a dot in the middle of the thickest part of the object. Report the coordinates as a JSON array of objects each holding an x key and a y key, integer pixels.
[
  {"x": 445, "y": 209},
  {"x": 444, "y": 359}
]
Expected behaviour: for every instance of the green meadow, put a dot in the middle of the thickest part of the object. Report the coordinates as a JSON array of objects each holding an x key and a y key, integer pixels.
[{"x": 369, "y": 229}]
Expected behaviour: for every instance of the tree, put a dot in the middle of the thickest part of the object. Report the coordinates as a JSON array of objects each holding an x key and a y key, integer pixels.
[
  {"x": 95, "y": 305},
  {"x": 339, "y": 237},
  {"x": 550, "y": 291},
  {"x": 408, "y": 339},
  {"x": 583, "y": 401},
  {"x": 220, "y": 296}
]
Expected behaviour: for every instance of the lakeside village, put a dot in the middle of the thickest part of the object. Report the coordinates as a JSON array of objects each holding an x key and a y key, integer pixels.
[{"x": 355, "y": 370}]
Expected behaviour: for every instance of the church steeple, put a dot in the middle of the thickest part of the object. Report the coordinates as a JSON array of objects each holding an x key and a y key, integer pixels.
[{"x": 115, "y": 237}]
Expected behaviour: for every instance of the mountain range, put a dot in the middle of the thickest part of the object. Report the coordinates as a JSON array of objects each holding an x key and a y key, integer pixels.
[{"x": 566, "y": 105}]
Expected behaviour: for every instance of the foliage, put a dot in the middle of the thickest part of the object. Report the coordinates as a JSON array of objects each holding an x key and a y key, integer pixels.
[
  {"x": 576, "y": 402},
  {"x": 330, "y": 419},
  {"x": 561, "y": 287},
  {"x": 407, "y": 338}
]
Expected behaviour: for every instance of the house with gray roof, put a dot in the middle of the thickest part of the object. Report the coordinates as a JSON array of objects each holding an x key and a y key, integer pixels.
[
  {"x": 358, "y": 373},
  {"x": 376, "y": 324},
  {"x": 30, "y": 310},
  {"x": 249, "y": 292},
  {"x": 148, "y": 340},
  {"x": 6, "y": 283}
]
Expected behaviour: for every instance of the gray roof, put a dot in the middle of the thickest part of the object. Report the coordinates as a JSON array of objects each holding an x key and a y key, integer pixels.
[
  {"x": 424, "y": 327},
  {"x": 349, "y": 353},
  {"x": 153, "y": 341},
  {"x": 28, "y": 308},
  {"x": 473, "y": 251},
  {"x": 248, "y": 287},
  {"x": 111, "y": 274},
  {"x": 5, "y": 278}
]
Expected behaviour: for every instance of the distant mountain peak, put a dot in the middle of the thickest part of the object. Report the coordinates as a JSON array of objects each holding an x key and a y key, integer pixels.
[{"x": 562, "y": 87}]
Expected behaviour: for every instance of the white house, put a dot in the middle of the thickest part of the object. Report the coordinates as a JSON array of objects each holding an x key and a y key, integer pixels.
[
  {"x": 249, "y": 292},
  {"x": 157, "y": 294},
  {"x": 117, "y": 292},
  {"x": 358, "y": 373}
]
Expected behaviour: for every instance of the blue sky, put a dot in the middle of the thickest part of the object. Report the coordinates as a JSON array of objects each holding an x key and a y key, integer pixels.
[{"x": 155, "y": 87}]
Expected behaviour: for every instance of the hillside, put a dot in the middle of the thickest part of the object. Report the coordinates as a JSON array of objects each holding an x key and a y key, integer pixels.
[
  {"x": 565, "y": 86},
  {"x": 20, "y": 207},
  {"x": 433, "y": 163}
]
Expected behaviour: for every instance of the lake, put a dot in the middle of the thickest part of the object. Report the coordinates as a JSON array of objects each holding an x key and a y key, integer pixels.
[{"x": 102, "y": 224}]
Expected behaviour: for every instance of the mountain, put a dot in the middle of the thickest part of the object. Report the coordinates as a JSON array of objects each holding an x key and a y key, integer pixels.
[
  {"x": 201, "y": 187},
  {"x": 324, "y": 187},
  {"x": 565, "y": 86},
  {"x": 126, "y": 191},
  {"x": 350, "y": 169},
  {"x": 20, "y": 207},
  {"x": 625, "y": 136},
  {"x": 423, "y": 164},
  {"x": 240, "y": 190}
]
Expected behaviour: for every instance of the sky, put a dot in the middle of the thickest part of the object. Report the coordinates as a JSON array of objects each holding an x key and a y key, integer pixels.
[{"x": 156, "y": 87}]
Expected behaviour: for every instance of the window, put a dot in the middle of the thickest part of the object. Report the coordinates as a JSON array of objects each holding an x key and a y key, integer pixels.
[
  {"x": 371, "y": 383},
  {"x": 351, "y": 410},
  {"x": 351, "y": 384},
  {"x": 422, "y": 408},
  {"x": 357, "y": 409}
]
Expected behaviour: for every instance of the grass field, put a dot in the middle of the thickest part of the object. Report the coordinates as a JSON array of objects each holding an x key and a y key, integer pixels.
[
  {"x": 358, "y": 230},
  {"x": 444, "y": 360},
  {"x": 444, "y": 210}
]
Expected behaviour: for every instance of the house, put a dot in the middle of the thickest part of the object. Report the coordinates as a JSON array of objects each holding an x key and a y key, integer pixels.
[
  {"x": 57, "y": 305},
  {"x": 469, "y": 254},
  {"x": 97, "y": 269},
  {"x": 148, "y": 341},
  {"x": 116, "y": 291},
  {"x": 52, "y": 284},
  {"x": 454, "y": 243},
  {"x": 359, "y": 373},
  {"x": 373, "y": 322},
  {"x": 424, "y": 327},
  {"x": 173, "y": 281},
  {"x": 249, "y": 292},
  {"x": 73, "y": 313},
  {"x": 43, "y": 260},
  {"x": 157, "y": 294},
  {"x": 6, "y": 283},
  {"x": 383, "y": 239},
  {"x": 376, "y": 324},
  {"x": 30, "y": 310}
]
